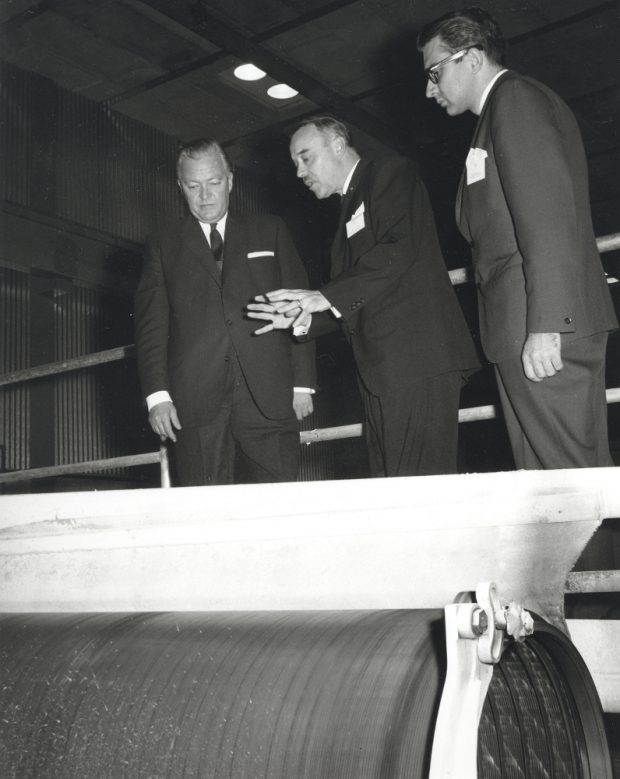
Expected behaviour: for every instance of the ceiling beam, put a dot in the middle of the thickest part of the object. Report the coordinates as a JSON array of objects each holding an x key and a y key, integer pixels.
[
  {"x": 21, "y": 18},
  {"x": 183, "y": 29},
  {"x": 565, "y": 22},
  {"x": 249, "y": 50}
]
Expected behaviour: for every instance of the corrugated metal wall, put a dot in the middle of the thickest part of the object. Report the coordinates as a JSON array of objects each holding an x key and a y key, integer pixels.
[
  {"x": 73, "y": 159},
  {"x": 80, "y": 434},
  {"x": 70, "y": 158},
  {"x": 14, "y": 355},
  {"x": 77, "y": 165}
]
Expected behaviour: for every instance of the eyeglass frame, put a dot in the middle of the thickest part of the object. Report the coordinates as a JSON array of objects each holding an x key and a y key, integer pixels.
[{"x": 432, "y": 72}]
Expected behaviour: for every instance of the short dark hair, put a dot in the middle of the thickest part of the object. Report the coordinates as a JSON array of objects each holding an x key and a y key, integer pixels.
[
  {"x": 199, "y": 147},
  {"x": 466, "y": 28},
  {"x": 324, "y": 123}
]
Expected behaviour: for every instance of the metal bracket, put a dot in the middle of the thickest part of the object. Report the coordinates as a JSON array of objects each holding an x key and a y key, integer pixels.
[{"x": 475, "y": 637}]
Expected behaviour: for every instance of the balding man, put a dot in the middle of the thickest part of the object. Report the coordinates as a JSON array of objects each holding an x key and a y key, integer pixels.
[{"x": 391, "y": 293}]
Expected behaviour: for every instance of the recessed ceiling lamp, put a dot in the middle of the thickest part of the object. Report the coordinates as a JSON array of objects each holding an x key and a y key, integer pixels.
[
  {"x": 249, "y": 72},
  {"x": 281, "y": 92}
]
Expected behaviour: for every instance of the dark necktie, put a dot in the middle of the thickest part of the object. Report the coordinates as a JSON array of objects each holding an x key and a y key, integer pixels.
[{"x": 215, "y": 239}]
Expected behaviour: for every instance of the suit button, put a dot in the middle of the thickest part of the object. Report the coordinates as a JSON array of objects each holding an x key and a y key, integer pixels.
[
  {"x": 568, "y": 320},
  {"x": 229, "y": 322}
]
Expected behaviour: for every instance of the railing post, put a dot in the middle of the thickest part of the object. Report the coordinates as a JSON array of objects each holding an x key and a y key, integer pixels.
[{"x": 164, "y": 466}]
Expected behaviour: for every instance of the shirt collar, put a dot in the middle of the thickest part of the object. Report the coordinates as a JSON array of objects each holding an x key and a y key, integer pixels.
[
  {"x": 347, "y": 181},
  {"x": 489, "y": 86},
  {"x": 221, "y": 226}
]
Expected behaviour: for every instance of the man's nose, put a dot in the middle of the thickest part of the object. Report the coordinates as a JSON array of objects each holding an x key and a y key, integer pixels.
[
  {"x": 431, "y": 89},
  {"x": 301, "y": 171}
]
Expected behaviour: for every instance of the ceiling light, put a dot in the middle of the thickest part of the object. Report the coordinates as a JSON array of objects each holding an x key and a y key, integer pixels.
[
  {"x": 249, "y": 72},
  {"x": 281, "y": 91}
]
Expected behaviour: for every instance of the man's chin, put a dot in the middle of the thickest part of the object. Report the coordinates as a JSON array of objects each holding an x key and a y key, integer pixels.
[
  {"x": 205, "y": 216},
  {"x": 453, "y": 110}
]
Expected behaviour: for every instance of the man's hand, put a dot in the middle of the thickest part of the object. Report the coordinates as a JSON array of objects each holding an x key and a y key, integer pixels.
[
  {"x": 163, "y": 418},
  {"x": 302, "y": 404},
  {"x": 269, "y": 312},
  {"x": 284, "y": 308},
  {"x": 542, "y": 355}
]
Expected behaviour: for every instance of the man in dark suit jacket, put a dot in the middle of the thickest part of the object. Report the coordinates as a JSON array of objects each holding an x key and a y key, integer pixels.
[
  {"x": 545, "y": 309},
  {"x": 391, "y": 292},
  {"x": 212, "y": 387}
]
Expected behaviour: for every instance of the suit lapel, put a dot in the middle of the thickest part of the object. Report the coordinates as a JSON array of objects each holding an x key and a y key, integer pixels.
[
  {"x": 235, "y": 248},
  {"x": 461, "y": 218},
  {"x": 339, "y": 250},
  {"x": 197, "y": 249}
]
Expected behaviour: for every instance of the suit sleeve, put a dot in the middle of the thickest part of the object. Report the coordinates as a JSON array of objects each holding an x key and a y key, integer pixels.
[
  {"x": 536, "y": 180},
  {"x": 294, "y": 276},
  {"x": 151, "y": 323},
  {"x": 383, "y": 250}
]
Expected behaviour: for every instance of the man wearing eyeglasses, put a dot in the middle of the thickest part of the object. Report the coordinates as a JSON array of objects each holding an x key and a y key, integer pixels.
[{"x": 523, "y": 205}]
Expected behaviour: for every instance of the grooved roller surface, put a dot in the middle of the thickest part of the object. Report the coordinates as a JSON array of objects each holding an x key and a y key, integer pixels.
[
  {"x": 286, "y": 695},
  {"x": 276, "y": 695}
]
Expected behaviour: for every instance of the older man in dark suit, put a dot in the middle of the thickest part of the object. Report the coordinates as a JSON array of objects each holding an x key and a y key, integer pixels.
[
  {"x": 391, "y": 292},
  {"x": 523, "y": 204},
  {"x": 224, "y": 397}
]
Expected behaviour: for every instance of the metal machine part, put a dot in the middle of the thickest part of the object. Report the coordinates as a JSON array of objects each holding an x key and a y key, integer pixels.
[
  {"x": 476, "y": 635},
  {"x": 283, "y": 695}
]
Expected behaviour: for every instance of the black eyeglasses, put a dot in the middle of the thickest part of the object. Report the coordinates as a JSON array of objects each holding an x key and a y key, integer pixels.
[{"x": 432, "y": 73}]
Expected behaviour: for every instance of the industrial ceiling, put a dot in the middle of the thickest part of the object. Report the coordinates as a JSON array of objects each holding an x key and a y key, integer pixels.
[{"x": 169, "y": 64}]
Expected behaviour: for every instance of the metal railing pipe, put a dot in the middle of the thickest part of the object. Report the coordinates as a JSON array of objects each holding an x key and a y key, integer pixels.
[
  {"x": 84, "y": 467},
  {"x": 63, "y": 366}
]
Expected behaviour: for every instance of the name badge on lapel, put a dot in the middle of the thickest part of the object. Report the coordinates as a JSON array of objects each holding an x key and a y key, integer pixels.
[
  {"x": 356, "y": 222},
  {"x": 475, "y": 165}
]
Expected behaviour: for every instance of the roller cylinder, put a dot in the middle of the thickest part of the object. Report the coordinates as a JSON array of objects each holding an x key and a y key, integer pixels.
[{"x": 283, "y": 695}]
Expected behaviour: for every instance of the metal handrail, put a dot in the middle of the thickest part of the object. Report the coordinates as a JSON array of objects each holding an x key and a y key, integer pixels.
[
  {"x": 472, "y": 414},
  {"x": 64, "y": 366},
  {"x": 605, "y": 243},
  {"x": 307, "y": 437},
  {"x": 127, "y": 461}
]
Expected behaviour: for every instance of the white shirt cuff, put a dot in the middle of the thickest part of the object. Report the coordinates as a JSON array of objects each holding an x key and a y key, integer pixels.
[
  {"x": 303, "y": 328},
  {"x": 304, "y": 389},
  {"x": 157, "y": 397}
]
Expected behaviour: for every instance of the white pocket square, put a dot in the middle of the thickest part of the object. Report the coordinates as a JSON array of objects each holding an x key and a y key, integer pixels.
[
  {"x": 252, "y": 255},
  {"x": 475, "y": 165}
]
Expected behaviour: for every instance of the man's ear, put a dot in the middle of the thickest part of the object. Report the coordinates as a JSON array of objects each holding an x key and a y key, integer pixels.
[
  {"x": 230, "y": 182},
  {"x": 476, "y": 58},
  {"x": 339, "y": 145}
]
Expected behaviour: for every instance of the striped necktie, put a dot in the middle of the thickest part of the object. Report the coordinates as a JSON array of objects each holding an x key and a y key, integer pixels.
[{"x": 215, "y": 239}]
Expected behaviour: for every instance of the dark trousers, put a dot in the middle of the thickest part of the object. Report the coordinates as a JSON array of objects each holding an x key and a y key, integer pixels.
[
  {"x": 561, "y": 421},
  {"x": 240, "y": 445},
  {"x": 413, "y": 429}
]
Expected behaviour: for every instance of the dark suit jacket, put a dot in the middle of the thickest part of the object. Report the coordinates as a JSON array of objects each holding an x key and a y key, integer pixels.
[
  {"x": 390, "y": 283},
  {"x": 528, "y": 221},
  {"x": 189, "y": 318}
]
